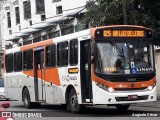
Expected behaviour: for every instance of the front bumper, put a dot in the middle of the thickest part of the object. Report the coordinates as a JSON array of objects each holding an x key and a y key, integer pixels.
[{"x": 101, "y": 96}]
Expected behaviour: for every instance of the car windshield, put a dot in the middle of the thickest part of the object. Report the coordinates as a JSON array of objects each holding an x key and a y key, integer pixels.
[
  {"x": 1, "y": 83},
  {"x": 124, "y": 58}
]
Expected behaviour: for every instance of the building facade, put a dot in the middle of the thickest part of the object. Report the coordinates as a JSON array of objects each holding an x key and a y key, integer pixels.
[{"x": 27, "y": 21}]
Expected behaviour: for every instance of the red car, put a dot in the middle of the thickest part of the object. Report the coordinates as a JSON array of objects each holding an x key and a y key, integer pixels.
[{"x": 4, "y": 115}]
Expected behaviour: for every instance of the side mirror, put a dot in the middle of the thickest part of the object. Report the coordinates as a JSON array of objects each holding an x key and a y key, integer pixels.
[{"x": 5, "y": 104}]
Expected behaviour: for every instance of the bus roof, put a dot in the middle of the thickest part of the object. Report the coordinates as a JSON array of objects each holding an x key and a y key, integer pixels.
[{"x": 50, "y": 41}]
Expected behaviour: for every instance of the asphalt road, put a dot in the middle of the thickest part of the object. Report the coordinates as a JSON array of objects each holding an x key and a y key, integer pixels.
[{"x": 103, "y": 112}]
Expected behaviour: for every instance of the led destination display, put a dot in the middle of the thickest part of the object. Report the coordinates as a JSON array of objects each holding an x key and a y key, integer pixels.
[{"x": 123, "y": 33}]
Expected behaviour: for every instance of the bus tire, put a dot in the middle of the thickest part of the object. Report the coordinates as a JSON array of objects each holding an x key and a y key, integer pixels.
[
  {"x": 121, "y": 107},
  {"x": 74, "y": 107},
  {"x": 26, "y": 99}
]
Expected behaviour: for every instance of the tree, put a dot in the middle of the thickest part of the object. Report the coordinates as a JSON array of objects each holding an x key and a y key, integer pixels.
[{"x": 136, "y": 12}]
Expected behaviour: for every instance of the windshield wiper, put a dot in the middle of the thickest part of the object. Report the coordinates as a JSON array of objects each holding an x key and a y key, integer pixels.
[{"x": 119, "y": 50}]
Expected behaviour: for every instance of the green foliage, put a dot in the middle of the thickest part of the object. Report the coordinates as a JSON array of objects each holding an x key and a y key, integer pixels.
[{"x": 136, "y": 12}]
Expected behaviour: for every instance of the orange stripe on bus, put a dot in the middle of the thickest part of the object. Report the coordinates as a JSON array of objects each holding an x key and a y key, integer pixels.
[
  {"x": 142, "y": 84},
  {"x": 51, "y": 75},
  {"x": 29, "y": 73},
  {"x": 34, "y": 45}
]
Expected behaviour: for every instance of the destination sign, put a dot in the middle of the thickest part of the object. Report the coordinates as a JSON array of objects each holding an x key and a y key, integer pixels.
[{"x": 123, "y": 33}]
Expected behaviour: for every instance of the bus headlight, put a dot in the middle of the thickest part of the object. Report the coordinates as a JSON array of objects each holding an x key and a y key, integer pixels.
[
  {"x": 111, "y": 90},
  {"x": 106, "y": 88},
  {"x": 149, "y": 88}
]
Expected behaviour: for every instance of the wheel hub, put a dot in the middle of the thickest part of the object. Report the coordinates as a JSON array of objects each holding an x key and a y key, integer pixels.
[{"x": 74, "y": 101}]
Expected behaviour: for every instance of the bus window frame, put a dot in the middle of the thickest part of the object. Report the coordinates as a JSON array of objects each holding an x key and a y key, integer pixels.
[
  {"x": 26, "y": 69},
  {"x": 74, "y": 40},
  {"x": 58, "y": 54},
  {"x": 48, "y": 67},
  {"x": 18, "y": 59},
  {"x": 11, "y": 71}
]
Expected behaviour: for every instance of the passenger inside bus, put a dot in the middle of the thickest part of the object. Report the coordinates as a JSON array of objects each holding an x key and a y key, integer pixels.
[
  {"x": 137, "y": 56},
  {"x": 119, "y": 64}
]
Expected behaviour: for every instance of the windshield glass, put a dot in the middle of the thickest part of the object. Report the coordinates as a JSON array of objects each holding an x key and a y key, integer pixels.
[{"x": 124, "y": 58}]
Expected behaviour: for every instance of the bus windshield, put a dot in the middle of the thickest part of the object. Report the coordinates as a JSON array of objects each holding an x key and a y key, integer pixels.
[{"x": 124, "y": 58}]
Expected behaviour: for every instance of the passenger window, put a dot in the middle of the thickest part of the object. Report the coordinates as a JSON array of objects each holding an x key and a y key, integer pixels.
[
  {"x": 74, "y": 52},
  {"x": 62, "y": 54},
  {"x": 17, "y": 61},
  {"x": 27, "y": 59},
  {"x": 51, "y": 56},
  {"x": 9, "y": 63}
]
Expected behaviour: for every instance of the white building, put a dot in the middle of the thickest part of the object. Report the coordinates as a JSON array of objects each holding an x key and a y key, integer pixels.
[{"x": 35, "y": 20}]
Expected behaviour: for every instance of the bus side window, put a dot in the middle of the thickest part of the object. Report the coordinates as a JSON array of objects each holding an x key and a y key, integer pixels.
[
  {"x": 74, "y": 52},
  {"x": 28, "y": 60},
  {"x": 9, "y": 63},
  {"x": 17, "y": 61},
  {"x": 62, "y": 54},
  {"x": 51, "y": 56}
]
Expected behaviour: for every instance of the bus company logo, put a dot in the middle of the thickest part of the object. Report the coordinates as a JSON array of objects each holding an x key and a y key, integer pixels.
[
  {"x": 65, "y": 78},
  {"x": 131, "y": 79},
  {"x": 73, "y": 78},
  {"x": 144, "y": 69}
]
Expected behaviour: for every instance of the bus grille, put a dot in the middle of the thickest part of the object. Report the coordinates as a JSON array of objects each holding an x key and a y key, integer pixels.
[
  {"x": 118, "y": 99},
  {"x": 128, "y": 89}
]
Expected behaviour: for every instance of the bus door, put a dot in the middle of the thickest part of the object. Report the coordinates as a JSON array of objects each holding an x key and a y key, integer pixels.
[
  {"x": 39, "y": 74},
  {"x": 85, "y": 69}
]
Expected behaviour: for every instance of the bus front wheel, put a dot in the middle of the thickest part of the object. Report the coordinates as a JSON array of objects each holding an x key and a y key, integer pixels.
[
  {"x": 121, "y": 107},
  {"x": 73, "y": 102},
  {"x": 26, "y": 98}
]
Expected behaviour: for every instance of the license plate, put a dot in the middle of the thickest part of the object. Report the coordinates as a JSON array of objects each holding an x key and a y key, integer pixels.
[{"x": 130, "y": 97}]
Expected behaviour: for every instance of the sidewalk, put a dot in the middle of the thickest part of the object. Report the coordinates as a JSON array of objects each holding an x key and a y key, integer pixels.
[{"x": 155, "y": 104}]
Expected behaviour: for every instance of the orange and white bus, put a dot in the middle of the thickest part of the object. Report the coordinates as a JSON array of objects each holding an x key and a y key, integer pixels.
[{"x": 111, "y": 65}]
